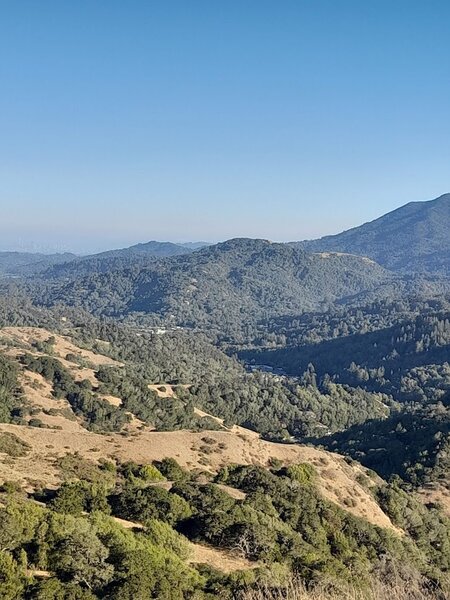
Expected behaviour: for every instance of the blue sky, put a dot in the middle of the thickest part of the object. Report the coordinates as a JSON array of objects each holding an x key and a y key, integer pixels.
[{"x": 122, "y": 122}]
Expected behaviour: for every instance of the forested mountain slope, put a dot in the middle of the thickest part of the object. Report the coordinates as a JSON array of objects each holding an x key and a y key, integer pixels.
[
  {"x": 226, "y": 287},
  {"x": 111, "y": 452},
  {"x": 412, "y": 238},
  {"x": 401, "y": 350},
  {"x": 409, "y": 360},
  {"x": 413, "y": 444}
]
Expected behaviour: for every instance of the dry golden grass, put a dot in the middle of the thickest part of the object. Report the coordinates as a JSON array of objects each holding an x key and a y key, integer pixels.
[
  {"x": 233, "y": 492},
  {"x": 224, "y": 561},
  {"x": 145, "y": 446},
  {"x": 436, "y": 493},
  {"x": 114, "y": 400},
  {"x": 26, "y": 336},
  {"x": 164, "y": 390},
  {"x": 396, "y": 590},
  {"x": 38, "y": 393}
]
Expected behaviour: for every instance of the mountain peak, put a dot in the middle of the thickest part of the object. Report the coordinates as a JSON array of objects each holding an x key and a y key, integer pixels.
[
  {"x": 411, "y": 238},
  {"x": 243, "y": 242}
]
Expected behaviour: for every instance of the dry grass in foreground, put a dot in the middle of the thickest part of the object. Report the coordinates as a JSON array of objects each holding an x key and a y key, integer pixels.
[{"x": 411, "y": 590}]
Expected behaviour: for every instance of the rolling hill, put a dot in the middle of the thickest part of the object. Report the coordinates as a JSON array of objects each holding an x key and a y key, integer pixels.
[
  {"x": 227, "y": 287},
  {"x": 51, "y": 420},
  {"x": 413, "y": 238}
]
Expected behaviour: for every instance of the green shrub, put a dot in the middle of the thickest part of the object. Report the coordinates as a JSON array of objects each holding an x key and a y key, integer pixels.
[
  {"x": 141, "y": 504},
  {"x": 301, "y": 473},
  {"x": 162, "y": 534},
  {"x": 171, "y": 470},
  {"x": 12, "y": 445}
]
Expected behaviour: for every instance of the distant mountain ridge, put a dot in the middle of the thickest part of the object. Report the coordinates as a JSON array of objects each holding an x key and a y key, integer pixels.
[
  {"x": 411, "y": 239},
  {"x": 414, "y": 238},
  {"x": 25, "y": 263},
  {"x": 69, "y": 265},
  {"x": 152, "y": 248}
]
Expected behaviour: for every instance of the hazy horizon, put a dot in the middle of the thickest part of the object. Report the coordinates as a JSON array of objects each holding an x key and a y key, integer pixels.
[
  {"x": 123, "y": 123},
  {"x": 87, "y": 248}
]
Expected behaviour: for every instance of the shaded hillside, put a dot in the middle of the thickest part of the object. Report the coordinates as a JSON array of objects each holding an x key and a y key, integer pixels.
[
  {"x": 348, "y": 319},
  {"x": 409, "y": 360},
  {"x": 414, "y": 445},
  {"x": 412, "y": 238},
  {"x": 227, "y": 287}
]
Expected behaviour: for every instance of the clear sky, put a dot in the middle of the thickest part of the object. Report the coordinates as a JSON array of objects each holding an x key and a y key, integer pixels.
[{"x": 125, "y": 121}]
